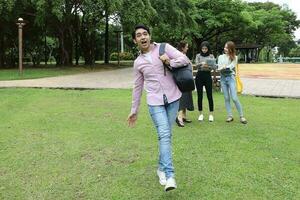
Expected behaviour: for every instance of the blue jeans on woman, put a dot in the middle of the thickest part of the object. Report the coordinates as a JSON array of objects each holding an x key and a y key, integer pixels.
[
  {"x": 163, "y": 117},
  {"x": 228, "y": 85}
]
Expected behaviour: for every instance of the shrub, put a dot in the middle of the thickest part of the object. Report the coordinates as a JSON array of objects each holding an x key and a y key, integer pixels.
[
  {"x": 295, "y": 52},
  {"x": 123, "y": 56}
]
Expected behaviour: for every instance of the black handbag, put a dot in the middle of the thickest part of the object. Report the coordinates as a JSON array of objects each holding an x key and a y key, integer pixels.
[{"x": 183, "y": 76}]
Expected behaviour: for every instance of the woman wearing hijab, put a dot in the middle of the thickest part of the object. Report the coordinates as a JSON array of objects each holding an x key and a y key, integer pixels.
[{"x": 205, "y": 62}]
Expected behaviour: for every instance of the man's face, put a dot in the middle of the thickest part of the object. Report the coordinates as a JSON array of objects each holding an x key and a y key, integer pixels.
[{"x": 142, "y": 39}]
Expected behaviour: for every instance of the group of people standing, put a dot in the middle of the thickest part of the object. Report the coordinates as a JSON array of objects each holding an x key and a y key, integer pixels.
[
  {"x": 164, "y": 99},
  {"x": 205, "y": 63}
]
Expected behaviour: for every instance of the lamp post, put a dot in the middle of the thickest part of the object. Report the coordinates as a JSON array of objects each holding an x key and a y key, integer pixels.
[
  {"x": 20, "y": 24},
  {"x": 122, "y": 42}
]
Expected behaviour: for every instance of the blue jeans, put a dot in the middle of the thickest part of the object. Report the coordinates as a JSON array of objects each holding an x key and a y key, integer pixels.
[
  {"x": 228, "y": 85},
  {"x": 163, "y": 118}
]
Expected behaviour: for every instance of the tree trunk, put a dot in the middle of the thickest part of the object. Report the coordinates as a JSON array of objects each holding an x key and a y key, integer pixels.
[
  {"x": 65, "y": 48},
  {"x": 106, "y": 56},
  {"x": 268, "y": 55},
  {"x": 90, "y": 49},
  {"x": 88, "y": 46},
  {"x": 2, "y": 51},
  {"x": 45, "y": 48},
  {"x": 70, "y": 45},
  {"x": 258, "y": 53},
  {"x": 61, "y": 55},
  {"x": 93, "y": 47},
  {"x": 77, "y": 39}
]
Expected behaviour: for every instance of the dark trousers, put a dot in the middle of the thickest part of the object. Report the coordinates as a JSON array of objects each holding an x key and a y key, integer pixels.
[{"x": 203, "y": 78}]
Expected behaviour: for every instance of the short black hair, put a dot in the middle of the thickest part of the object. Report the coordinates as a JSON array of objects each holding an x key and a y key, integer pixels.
[{"x": 140, "y": 26}]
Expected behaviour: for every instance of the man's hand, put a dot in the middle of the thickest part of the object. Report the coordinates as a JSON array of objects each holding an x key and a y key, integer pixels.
[
  {"x": 131, "y": 119},
  {"x": 165, "y": 59}
]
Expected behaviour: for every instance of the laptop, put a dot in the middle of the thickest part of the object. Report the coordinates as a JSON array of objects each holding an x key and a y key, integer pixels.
[{"x": 211, "y": 62}]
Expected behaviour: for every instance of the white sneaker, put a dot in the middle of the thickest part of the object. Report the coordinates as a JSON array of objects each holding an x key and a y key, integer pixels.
[
  {"x": 171, "y": 184},
  {"x": 201, "y": 117},
  {"x": 162, "y": 177},
  {"x": 211, "y": 118}
]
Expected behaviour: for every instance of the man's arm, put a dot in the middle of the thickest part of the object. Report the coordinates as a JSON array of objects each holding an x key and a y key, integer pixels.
[
  {"x": 136, "y": 96},
  {"x": 177, "y": 59}
]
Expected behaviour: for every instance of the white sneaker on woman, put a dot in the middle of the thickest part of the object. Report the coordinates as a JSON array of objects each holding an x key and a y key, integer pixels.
[
  {"x": 211, "y": 118},
  {"x": 171, "y": 184},
  {"x": 162, "y": 177},
  {"x": 201, "y": 117}
]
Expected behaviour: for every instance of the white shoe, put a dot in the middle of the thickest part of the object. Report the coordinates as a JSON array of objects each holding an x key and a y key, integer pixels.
[
  {"x": 171, "y": 184},
  {"x": 211, "y": 118},
  {"x": 201, "y": 117},
  {"x": 162, "y": 177}
]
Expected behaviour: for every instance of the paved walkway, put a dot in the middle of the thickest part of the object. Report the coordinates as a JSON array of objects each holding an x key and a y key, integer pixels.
[
  {"x": 123, "y": 78},
  {"x": 271, "y": 87}
]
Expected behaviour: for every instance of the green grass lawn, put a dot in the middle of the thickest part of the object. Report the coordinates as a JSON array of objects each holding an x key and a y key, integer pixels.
[
  {"x": 70, "y": 144},
  {"x": 52, "y": 70}
]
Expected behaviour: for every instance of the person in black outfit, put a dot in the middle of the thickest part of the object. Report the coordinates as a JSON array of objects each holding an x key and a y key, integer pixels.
[
  {"x": 205, "y": 62},
  {"x": 186, "y": 100}
]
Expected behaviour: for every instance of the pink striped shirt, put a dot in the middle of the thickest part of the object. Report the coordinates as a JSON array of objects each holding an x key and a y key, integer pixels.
[{"x": 152, "y": 75}]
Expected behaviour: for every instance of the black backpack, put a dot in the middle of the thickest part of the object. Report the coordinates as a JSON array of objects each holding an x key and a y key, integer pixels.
[{"x": 183, "y": 76}]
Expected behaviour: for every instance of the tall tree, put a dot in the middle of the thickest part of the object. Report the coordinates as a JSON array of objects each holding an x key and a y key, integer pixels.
[
  {"x": 215, "y": 18},
  {"x": 60, "y": 18},
  {"x": 6, "y": 29},
  {"x": 92, "y": 13},
  {"x": 110, "y": 8},
  {"x": 269, "y": 25},
  {"x": 132, "y": 13},
  {"x": 174, "y": 20}
]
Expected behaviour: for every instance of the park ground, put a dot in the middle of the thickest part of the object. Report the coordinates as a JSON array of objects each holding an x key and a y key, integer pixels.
[{"x": 75, "y": 144}]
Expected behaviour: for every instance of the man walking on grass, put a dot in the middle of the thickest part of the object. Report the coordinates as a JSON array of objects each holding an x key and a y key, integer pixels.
[{"x": 162, "y": 95}]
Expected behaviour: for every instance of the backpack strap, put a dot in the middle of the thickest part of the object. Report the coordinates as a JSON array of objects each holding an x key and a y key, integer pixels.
[{"x": 162, "y": 48}]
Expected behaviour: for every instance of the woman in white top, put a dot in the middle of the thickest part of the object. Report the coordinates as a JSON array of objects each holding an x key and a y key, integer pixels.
[{"x": 226, "y": 65}]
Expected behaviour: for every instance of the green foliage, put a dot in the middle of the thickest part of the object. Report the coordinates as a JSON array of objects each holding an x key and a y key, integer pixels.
[
  {"x": 6, "y": 5},
  {"x": 78, "y": 27},
  {"x": 295, "y": 52},
  {"x": 216, "y": 19},
  {"x": 263, "y": 55},
  {"x": 270, "y": 26},
  {"x": 134, "y": 12},
  {"x": 174, "y": 20},
  {"x": 123, "y": 56}
]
